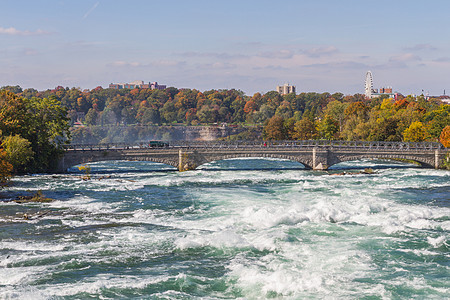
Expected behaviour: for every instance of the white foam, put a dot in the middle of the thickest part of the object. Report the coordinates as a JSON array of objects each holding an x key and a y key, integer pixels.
[{"x": 437, "y": 242}]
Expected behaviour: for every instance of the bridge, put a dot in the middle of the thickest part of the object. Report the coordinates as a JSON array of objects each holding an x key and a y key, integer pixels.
[{"x": 316, "y": 155}]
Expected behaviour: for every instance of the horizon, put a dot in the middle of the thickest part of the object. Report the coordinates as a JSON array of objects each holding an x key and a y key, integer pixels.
[{"x": 250, "y": 46}]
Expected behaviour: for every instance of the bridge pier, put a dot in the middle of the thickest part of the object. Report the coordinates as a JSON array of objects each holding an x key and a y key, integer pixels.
[
  {"x": 320, "y": 159},
  {"x": 189, "y": 160},
  {"x": 436, "y": 159}
]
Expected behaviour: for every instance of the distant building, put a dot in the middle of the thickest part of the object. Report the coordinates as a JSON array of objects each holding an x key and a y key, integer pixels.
[
  {"x": 444, "y": 98},
  {"x": 371, "y": 93},
  {"x": 156, "y": 86},
  {"x": 286, "y": 89},
  {"x": 137, "y": 84}
]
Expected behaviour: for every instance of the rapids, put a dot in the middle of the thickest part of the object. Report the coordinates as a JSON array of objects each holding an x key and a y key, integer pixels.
[{"x": 225, "y": 231}]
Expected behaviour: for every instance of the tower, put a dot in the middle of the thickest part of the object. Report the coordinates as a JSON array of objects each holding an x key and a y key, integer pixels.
[{"x": 369, "y": 85}]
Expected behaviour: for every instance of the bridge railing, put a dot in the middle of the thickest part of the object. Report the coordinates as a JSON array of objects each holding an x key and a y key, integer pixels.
[
  {"x": 311, "y": 144},
  {"x": 399, "y": 146}
]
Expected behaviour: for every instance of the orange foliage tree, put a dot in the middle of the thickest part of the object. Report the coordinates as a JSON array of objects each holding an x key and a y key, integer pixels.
[
  {"x": 445, "y": 136},
  {"x": 5, "y": 167},
  {"x": 275, "y": 129}
]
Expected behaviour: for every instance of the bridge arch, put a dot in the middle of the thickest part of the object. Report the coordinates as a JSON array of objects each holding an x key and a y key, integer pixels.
[
  {"x": 70, "y": 160},
  {"x": 150, "y": 159},
  {"x": 393, "y": 157},
  {"x": 208, "y": 159}
]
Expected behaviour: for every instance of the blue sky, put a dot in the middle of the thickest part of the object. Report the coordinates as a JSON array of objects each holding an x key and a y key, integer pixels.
[{"x": 317, "y": 45}]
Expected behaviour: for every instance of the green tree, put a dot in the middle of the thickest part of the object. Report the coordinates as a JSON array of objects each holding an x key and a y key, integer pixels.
[
  {"x": 328, "y": 128},
  {"x": 207, "y": 114},
  {"x": 91, "y": 117},
  {"x": 384, "y": 130},
  {"x": 238, "y": 110},
  {"x": 18, "y": 151},
  {"x": 284, "y": 110},
  {"x": 49, "y": 130},
  {"x": 336, "y": 110},
  {"x": 437, "y": 119},
  {"x": 108, "y": 117},
  {"x": 169, "y": 112}
]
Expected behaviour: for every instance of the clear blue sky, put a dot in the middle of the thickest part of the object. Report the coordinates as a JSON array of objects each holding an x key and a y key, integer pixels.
[{"x": 251, "y": 45}]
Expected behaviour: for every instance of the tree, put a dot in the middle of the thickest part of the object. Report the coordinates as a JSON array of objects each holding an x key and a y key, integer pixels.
[
  {"x": 384, "y": 130},
  {"x": 437, "y": 120},
  {"x": 168, "y": 112},
  {"x": 14, "y": 89},
  {"x": 336, "y": 110},
  {"x": 416, "y": 132},
  {"x": 304, "y": 129},
  {"x": 18, "y": 151},
  {"x": 207, "y": 114},
  {"x": 91, "y": 117},
  {"x": 289, "y": 125},
  {"x": 238, "y": 109},
  {"x": 284, "y": 110},
  {"x": 147, "y": 115},
  {"x": 250, "y": 107},
  {"x": 5, "y": 167},
  {"x": 328, "y": 128},
  {"x": 275, "y": 129},
  {"x": 14, "y": 116},
  {"x": 49, "y": 130},
  {"x": 445, "y": 136}
]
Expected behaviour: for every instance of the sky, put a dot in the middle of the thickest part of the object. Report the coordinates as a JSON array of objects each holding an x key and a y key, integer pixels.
[{"x": 249, "y": 45}]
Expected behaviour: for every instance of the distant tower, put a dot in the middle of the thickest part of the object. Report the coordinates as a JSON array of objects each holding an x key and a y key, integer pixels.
[
  {"x": 369, "y": 85},
  {"x": 286, "y": 89}
]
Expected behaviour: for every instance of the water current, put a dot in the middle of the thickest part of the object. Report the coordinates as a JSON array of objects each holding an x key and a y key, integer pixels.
[{"x": 140, "y": 230}]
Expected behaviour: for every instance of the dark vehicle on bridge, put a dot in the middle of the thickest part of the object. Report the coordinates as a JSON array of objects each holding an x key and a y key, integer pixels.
[{"x": 158, "y": 144}]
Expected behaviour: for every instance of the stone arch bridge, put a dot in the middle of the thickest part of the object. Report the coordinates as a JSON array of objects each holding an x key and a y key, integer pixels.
[{"x": 316, "y": 155}]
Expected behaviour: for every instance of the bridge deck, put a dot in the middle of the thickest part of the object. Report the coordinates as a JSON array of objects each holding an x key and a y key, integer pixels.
[{"x": 312, "y": 154}]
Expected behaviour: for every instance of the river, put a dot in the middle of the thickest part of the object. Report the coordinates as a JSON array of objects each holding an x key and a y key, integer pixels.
[{"x": 136, "y": 230}]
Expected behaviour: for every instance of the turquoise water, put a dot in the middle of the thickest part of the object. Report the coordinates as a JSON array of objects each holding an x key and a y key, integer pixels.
[{"x": 137, "y": 230}]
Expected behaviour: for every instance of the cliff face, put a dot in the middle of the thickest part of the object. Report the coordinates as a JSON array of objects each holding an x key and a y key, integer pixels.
[
  {"x": 132, "y": 134},
  {"x": 208, "y": 133}
]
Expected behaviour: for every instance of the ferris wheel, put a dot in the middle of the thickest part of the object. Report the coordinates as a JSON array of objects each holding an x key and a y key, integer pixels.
[{"x": 369, "y": 84}]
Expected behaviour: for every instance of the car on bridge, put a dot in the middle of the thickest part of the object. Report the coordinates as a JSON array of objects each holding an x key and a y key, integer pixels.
[{"x": 158, "y": 144}]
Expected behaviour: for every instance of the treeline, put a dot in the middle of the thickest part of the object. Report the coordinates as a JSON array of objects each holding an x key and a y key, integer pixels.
[
  {"x": 181, "y": 106},
  {"x": 302, "y": 116},
  {"x": 32, "y": 132},
  {"x": 410, "y": 119}
]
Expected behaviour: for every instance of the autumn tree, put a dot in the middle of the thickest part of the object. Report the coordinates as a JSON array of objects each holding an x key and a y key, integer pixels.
[
  {"x": 14, "y": 115},
  {"x": 275, "y": 129},
  {"x": 305, "y": 129},
  {"x": 416, "y": 132},
  {"x": 382, "y": 129},
  {"x": 445, "y": 136},
  {"x": 5, "y": 167}
]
